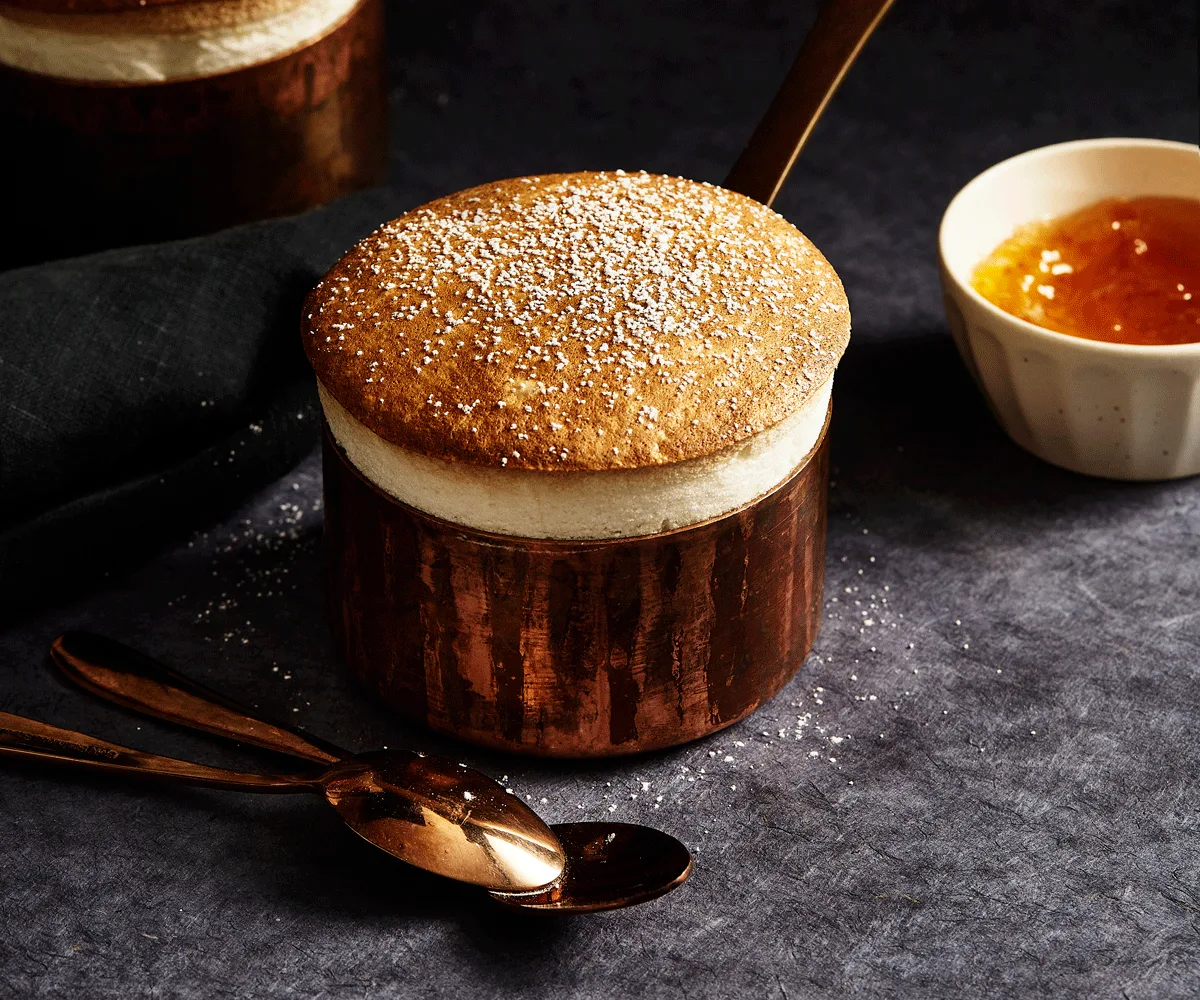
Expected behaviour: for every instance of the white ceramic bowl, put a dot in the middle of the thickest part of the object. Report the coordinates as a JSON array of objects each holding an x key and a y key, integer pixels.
[{"x": 1121, "y": 411}]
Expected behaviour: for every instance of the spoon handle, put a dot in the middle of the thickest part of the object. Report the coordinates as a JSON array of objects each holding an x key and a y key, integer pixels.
[
  {"x": 32, "y": 740},
  {"x": 835, "y": 39},
  {"x": 122, "y": 675}
]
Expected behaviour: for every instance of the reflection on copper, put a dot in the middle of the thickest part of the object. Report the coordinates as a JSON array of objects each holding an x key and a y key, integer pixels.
[{"x": 574, "y": 649}]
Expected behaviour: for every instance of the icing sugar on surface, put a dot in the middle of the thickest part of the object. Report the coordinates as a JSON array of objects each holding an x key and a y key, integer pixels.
[{"x": 578, "y": 321}]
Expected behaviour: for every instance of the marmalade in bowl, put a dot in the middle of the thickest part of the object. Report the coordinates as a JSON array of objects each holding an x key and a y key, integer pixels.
[{"x": 1121, "y": 270}]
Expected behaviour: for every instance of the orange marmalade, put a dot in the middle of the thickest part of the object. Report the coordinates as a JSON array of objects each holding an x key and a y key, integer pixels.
[{"x": 1119, "y": 270}]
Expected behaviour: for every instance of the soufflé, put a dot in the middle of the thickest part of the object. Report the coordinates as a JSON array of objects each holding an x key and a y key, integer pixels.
[{"x": 542, "y": 363}]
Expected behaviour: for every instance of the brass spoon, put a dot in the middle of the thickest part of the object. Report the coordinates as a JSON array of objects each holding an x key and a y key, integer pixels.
[
  {"x": 832, "y": 44},
  {"x": 431, "y": 812},
  {"x": 607, "y": 865}
]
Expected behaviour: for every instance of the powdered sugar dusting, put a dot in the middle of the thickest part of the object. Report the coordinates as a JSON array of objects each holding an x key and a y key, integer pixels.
[{"x": 600, "y": 320}]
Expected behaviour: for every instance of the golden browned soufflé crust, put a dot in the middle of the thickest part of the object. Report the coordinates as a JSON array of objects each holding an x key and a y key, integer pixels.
[{"x": 581, "y": 321}]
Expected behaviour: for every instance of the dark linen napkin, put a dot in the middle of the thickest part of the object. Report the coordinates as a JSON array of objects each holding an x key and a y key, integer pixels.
[{"x": 145, "y": 391}]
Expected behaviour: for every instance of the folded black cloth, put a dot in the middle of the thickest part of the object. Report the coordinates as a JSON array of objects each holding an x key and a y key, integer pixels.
[{"x": 147, "y": 390}]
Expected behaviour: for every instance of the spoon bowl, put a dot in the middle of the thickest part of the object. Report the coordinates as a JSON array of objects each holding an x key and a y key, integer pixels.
[
  {"x": 443, "y": 817},
  {"x": 609, "y": 866}
]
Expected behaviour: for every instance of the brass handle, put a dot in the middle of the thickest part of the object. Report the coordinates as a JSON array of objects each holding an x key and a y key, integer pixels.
[
  {"x": 832, "y": 44},
  {"x": 122, "y": 675},
  {"x": 33, "y": 740}
]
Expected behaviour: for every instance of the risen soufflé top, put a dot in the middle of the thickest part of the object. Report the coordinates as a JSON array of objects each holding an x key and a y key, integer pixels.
[{"x": 583, "y": 321}]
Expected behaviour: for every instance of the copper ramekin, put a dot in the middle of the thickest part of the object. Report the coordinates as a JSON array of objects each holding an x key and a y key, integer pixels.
[
  {"x": 101, "y": 164},
  {"x": 575, "y": 648}
]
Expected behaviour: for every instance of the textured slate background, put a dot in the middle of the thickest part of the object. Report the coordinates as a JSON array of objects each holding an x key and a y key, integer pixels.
[{"x": 988, "y": 790}]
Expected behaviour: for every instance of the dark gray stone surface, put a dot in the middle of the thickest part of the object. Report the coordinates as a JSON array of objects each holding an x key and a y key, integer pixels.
[{"x": 983, "y": 782}]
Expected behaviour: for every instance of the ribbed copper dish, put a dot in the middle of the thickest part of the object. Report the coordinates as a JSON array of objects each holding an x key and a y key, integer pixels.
[
  {"x": 575, "y": 649},
  {"x": 103, "y": 164}
]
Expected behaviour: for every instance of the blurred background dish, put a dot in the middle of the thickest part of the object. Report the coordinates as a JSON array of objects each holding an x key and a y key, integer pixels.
[
  {"x": 136, "y": 122},
  {"x": 1123, "y": 411}
]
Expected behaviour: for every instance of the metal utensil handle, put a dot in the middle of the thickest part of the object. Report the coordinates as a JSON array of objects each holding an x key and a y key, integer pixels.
[
  {"x": 122, "y": 675},
  {"x": 32, "y": 740},
  {"x": 832, "y": 44}
]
